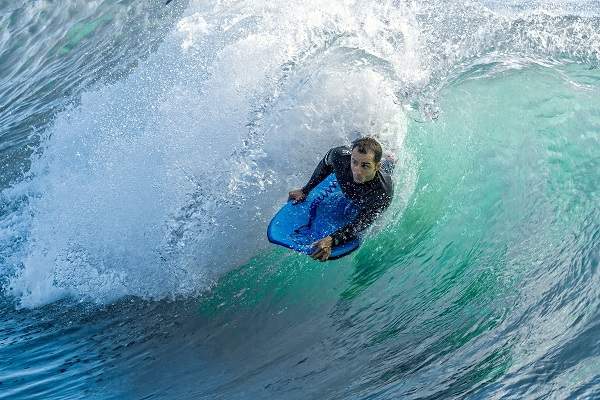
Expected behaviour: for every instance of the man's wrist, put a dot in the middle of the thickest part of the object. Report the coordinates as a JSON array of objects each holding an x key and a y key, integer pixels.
[
  {"x": 335, "y": 239},
  {"x": 329, "y": 240}
]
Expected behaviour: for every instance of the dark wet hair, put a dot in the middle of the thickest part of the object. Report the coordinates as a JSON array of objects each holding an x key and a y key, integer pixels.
[{"x": 368, "y": 144}]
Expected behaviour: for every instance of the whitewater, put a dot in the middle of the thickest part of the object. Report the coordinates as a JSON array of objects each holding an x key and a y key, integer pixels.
[{"x": 145, "y": 146}]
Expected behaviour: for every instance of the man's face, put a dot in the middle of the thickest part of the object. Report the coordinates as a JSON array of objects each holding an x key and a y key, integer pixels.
[{"x": 363, "y": 166}]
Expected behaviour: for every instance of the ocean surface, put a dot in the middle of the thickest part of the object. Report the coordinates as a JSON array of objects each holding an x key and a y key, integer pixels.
[{"x": 145, "y": 146}]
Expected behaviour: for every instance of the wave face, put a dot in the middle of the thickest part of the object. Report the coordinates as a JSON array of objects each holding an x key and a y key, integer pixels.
[{"x": 145, "y": 152}]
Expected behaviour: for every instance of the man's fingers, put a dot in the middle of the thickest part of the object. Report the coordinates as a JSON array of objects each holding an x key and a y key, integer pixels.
[
  {"x": 321, "y": 254},
  {"x": 317, "y": 245},
  {"x": 295, "y": 199},
  {"x": 321, "y": 251},
  {"x": 296, "y": 196}
]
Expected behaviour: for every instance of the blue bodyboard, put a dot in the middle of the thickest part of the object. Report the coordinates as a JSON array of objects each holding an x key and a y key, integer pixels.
[{"x": 325, "y": 210}]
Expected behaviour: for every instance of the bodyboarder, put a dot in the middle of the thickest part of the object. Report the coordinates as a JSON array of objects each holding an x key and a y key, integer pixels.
[{"x": 359, "y": 172}]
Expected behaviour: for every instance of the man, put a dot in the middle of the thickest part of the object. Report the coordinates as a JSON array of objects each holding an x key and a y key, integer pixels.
[{"x": 358, "y": 172}]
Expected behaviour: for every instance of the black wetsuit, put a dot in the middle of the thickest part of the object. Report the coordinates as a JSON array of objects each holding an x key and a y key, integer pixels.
[{"x": 371, "y": 197}]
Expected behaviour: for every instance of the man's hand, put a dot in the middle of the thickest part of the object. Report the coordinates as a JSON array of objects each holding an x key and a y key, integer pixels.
[
  {"x": 322, "y": 249},
  {"x": 297, "y": 196}
]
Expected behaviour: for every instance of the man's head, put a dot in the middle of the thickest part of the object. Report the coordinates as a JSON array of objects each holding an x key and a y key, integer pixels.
[{"x": 366, "y": 159}]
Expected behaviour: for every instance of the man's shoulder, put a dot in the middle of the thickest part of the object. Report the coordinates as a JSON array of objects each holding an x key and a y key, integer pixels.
[
  {"x": 386, "y": 183},
  {"x": 341, "y": 151},
  {"x": 337, "y": 154}
]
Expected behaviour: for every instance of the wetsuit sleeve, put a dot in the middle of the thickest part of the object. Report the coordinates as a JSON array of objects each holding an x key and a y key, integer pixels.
[
  {"x": 362, "y": 221},
  {"x": 323, "y": 170}
]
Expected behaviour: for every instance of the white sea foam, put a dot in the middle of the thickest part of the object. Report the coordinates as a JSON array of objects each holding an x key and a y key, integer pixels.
[{"x": 157, "y": 184}]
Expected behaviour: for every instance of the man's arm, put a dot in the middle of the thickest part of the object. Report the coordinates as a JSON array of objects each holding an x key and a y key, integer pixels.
[
  {"x": 323, "y": 170},
  {"x": 362, "y": 221}
]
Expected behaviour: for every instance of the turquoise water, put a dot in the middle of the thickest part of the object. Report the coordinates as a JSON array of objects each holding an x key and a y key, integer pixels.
[{"x": 137, "y": 187}]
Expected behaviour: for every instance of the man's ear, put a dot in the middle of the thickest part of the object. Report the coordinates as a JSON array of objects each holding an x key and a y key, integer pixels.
[{"x": 377, "y": 166}]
